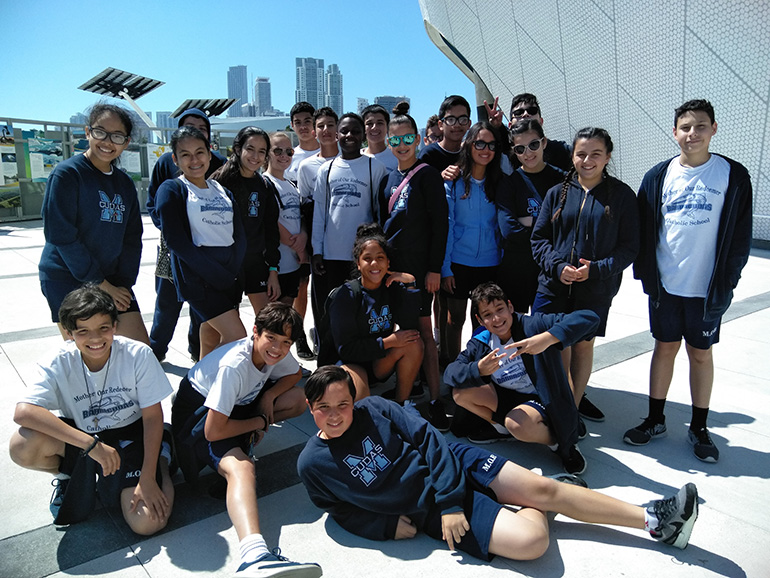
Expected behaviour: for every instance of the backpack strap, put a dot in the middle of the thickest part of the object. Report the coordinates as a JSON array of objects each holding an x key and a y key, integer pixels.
[{"x": 397, "y": 192}]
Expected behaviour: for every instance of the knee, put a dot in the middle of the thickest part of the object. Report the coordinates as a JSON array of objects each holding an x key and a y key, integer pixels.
[
  {"x": 536, "y": 544},
  {"x": 699, "y": 356},
  {"x": 666, "y": 349},
  {"x": 23, "y": 451},
  {"x": 238, "y": 469},
  {"x": 142, "y": 524}
]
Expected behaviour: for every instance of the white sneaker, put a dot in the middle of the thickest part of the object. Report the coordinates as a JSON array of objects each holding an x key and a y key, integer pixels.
[{"x": 273, "y": 565}]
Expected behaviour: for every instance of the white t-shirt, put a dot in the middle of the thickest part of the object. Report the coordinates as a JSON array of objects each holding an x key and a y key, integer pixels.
[
  {"x": 692, "y": 203},
  {"x": 308, "y": 171},
  {"x": 300, "y": 154},
  {"x": 351, "y": 204},
  {"x": 512, "y": 373},
  {"x": 227, "y": 377},
  {"x": 134, "y": 381},
  {"x": 290, "y": 218},
  {"x": 386, "y": 157},
  {"x": 210, "y": 212}
]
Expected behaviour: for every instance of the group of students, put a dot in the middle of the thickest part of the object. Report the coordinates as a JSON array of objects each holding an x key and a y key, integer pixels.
[{"x": 441, "y": 220}]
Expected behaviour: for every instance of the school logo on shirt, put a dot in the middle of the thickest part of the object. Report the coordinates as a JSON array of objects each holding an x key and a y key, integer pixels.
[
  {"x": 690, "y": 205},
  {"x": 533, "y": 208},
  {"x": 365, "y": 467},
  {"x": 253, "y": 204},
  {"x": 112, "y": 210},
  {"x": 381, "y": 322},
  {"x": 400, "y": 204}
]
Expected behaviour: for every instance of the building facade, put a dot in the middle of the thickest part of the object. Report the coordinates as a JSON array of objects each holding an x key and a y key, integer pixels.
[
  {"x": 262, "y": 97},
  {"x": 333, "y": 97},
  {"x": 237, "y": 87},
  {"x": 311, "y": 82}
]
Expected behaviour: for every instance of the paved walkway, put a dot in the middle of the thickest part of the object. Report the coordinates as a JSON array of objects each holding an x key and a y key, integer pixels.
[{"x": 730, "y": 539}]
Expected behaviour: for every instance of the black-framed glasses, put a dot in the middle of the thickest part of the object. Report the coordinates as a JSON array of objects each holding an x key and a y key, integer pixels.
[
  {"x": 117, "y": 138},
  {"x": 530, "y": 110},
  {"x": 407, "y": 139},
  {"x": 432, "y": 137},
  {"x": 277, "y": 151},
  {"x": 480, "y": 145},
  {"x": 462, "y": 120},
  {"x": 532, "y": 145}
]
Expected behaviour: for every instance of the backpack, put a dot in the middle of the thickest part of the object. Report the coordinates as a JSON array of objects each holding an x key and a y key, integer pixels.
[{"x": 327, "y": 350}]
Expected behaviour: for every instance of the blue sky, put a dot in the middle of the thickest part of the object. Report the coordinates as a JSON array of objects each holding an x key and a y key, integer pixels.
[{"x": 380, "y": 48}]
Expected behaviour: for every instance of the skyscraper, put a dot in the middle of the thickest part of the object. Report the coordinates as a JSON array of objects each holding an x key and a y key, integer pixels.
[
  {"x": 362, "y": 104},
  {"x": 388, "y": 102},
  {"x": 237, "y": 87},
  {"x": 310, "y": 81},
  {"x": 333, "y": 96},
  {"x": 262, "y": 99}
]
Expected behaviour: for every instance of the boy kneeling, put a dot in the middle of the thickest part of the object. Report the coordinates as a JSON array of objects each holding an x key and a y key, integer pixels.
[
  {"x": 108, "y": 389},
  {"x": 525, "y": 396},
  {"x": 383, "y": 473},
  {"x": 223, "y": 409}
]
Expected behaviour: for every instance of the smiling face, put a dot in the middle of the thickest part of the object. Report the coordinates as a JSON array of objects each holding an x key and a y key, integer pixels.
[
  {"x": 484, "y": 156},
  {"x": 93, "y": 338},
  {"x": 376, "y": 128},
  {"x": 102, "y": 153},
  {"x": 590, "y": 156},
  {"x": 496, "y": 317},
  {"x": 373, "y": 263},
  {"x": 283, "y": 161},
  {"x": 270, "y": 348},
  {"x": 333, "y": 413},
  {"x": 693, "y": 132},
  {"x": 531, "y": 161},
  {"x": 406, "y": 154},
  {"x": 452, "y": 136},
  {"x": 252, "y": 155},
  {"x": 326, "y": 130},
  {"x": 350, "y": 135},
  {"x": 192, "y": 156}
]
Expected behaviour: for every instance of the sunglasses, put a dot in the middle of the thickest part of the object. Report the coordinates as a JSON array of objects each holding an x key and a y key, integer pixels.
[
  {"x": 533, "y": 146},
  {"x": 453, "y": 120},
  {"x": 480, "y": 145},
  {"x": 407, "y": 139},
  {"x": 279, "y": 151},
  {"x": 117, "y": 138},
  {"x": 530, "y": 110}
]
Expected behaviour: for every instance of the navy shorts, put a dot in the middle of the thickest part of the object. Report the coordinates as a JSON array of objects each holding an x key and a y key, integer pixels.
[
  {"x": 215, "y": 302},
  {"x": 508, "y": 399},
  {"x": 673, "y": 317},
  {"x": 480, "y": 505},
  {"x": 289, "y": 284},
  {"x": 426, "y": 303},
  {"x": 569, "y": 303},
  {"x": 255, "y": 277},
  {"x": 468, "y": 278},
  {"x": 56, "y": 290}
]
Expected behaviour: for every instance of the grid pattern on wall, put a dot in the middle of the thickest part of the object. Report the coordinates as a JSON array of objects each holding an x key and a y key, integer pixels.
[{"x": 626, "y": 65}]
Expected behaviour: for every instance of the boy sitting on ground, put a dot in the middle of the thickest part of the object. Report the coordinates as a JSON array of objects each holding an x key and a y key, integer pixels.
[
  {"x": 383, "y": 473},
  {"x": 511, "y": 376},
  {"x": 108, "y": 390},
  {"x": 222, "y": 410}
]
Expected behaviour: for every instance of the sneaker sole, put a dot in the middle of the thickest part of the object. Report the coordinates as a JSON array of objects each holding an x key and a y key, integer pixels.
[
  {"x": 683, "y": 537},
  {"x": 633, "y": 443},
  {"x": 275, "y": 571}
]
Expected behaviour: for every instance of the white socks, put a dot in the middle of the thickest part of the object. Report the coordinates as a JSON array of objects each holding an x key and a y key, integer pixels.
[
  {"x": 650, "y": 521},
  {"x": 252, "y": 547}
]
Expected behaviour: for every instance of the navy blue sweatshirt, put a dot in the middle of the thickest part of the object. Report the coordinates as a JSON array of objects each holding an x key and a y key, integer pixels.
[
  {"x": 92, "y": 225},
  {"x": 438, "y": 157},
  {"x": 387, "y": 464}
]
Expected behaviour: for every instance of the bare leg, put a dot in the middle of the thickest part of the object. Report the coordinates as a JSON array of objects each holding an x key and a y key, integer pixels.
[
  {"x": 701, "y": 375},
  {"x": 360, "y": 379},
  {"x": 662, "y": 367},
  {"x": 300, "y": 301},
  {"x": 139, "y": 520},
  {"x": 34, "y": 450},
  {"x": 224, "y": 328},
  {"x": 258, "y": 301},
  {"x": 238, "y": 469},
  {"x": 289, "y": 404},
  {"x": 430, "y": 358},
  {"x": 480, "y": 400},
  {"x": 406, "y": 361},
  {"x": 526, "y": 424},
  {"x": 132, "y": 325},
  {"x": 454, "y": 328},
  {"x": 581, "y": 364}
]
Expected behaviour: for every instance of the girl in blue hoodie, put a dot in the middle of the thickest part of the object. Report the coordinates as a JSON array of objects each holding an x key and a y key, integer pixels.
[{"x": 473, "y": 242}]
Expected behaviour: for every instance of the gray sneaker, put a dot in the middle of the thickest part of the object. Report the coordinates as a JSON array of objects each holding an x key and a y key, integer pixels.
[
  {"x": 676, "y": 517},
  {"x": 643, "y": 433},
  {"x": 703, "y": 446}
]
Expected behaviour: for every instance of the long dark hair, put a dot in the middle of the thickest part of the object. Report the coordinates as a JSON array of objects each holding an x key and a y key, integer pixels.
[
  {"x": 232, "y": 168},
  {"x": 492, "y": 174}
]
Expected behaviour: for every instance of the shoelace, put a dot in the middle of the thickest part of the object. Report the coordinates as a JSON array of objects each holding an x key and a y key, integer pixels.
[
  {"x": 277, "y": 553},
  {"x": 663, "y": 510}
]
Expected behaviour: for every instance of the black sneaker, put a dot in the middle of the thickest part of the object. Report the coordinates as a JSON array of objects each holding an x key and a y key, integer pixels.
[
  {"x": 589, "y": 410},
  {"x": 57, "y": 498},
  {"x": 574, "y": 463},
  {"x": 437, "y": 416},
  {"x": 676, "y": 516},
  {"x": 582, "y": 429},
  {"x": 570, "y": 479},
  {"x": 303, "y": 349},
  {"x": 644, "y": 432},
  {"x": 488, "y": 435},
  {"x": 703, "y": 446},
  {"x": 273, "y": 565}
]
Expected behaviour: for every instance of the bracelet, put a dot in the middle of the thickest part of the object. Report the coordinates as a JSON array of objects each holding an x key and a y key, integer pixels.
[
  {"x": 87, "y": 451},
  {"x": 272, "y": 269}
]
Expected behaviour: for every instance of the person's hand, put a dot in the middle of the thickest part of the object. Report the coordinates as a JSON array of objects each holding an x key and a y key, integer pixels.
[
  {"x": 405, "y": 529},
  {"x": 494, "y": 113},
  {"x": 453, "y": 528},
  {"x": 491, "y": 362},
  {"x": 450, "y": 173},
  {"x": 432, "y": 282},
  {"x": 107, "y": 457},
  {"x": 393, "y": 276},
  {"x": 401, "y": 338},
  {"x": 533, "y": 345},
  {"x": 148, "y": 491},
  {"x": 120, "y": 295},
  {"x": 448, "y": 284},
  {"x": 273, "y": 286},
  {"x": 568, "y": 275},
  {"x": 318, "y": 265},
  {"x": 584, "y": 271}
]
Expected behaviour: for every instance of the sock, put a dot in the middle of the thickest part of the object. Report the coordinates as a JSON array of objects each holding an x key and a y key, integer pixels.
[
  {"x": 251, "y": 548},
  {"x": 501, "y": 429},
  {"x": 650, "y": 521},
  {"x": 699, "y": 417},
  {"x": 656, "y": 410}
]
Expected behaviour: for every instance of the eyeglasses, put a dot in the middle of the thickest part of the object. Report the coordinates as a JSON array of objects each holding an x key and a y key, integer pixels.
[
  {"x": 279, "y": 151},
  {"x": 533, "y": 146},
  {"x": 407, "y": 139},
  {"x": 117, "y": 138},
  {"x": 432, "y": 137},
  {"x": 530, "y": 110},
  {"x": 480, "y": 145},
  {"x": 453, "y": 120}
]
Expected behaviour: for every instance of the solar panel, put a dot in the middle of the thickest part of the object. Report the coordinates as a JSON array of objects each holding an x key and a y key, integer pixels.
[
  {"x": 211, "y": 106},
  {"x": 114, "y": 82}
]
